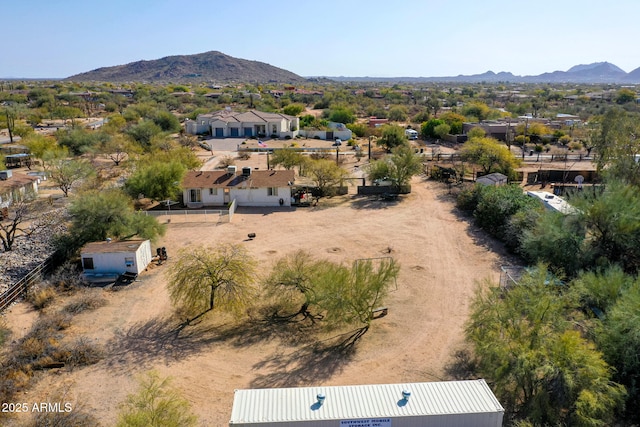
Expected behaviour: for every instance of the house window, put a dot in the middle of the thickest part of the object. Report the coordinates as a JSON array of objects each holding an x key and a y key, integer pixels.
[
  {"x": 87, "y": 263},
  {"x": 274, "y": 129},
  {"x": 128, "y": 261},
  {"x": 272, "y": 191},
  {"x": 195, "y": 196},
  {"x": 213, "y": 191}
]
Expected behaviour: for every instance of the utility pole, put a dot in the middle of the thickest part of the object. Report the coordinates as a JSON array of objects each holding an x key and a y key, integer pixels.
[{"x": 524, "y": 141}]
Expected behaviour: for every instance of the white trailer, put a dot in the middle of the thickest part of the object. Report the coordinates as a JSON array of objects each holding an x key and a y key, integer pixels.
[{"x": 433, "y": 404}]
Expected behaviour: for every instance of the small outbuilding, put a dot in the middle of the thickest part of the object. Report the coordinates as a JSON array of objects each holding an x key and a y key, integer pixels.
[
  {"x": 494, "y": 179},
  {"x": 432, "y": 404},
  {"x": 108, "y": 260}
]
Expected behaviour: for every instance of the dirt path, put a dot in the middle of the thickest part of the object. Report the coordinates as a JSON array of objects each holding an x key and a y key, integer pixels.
[{"x": 441, "y": 260}]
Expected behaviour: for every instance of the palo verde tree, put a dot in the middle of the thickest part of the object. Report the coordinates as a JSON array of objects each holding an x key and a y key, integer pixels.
[
  {"x": 287, "y": 158},
  {"x": 400, "y": 166},
  {"x": 490, "y": 156},
  {"x": 206, "y": 278},
  {"x": 156, "y": 180},
  {"x": 617, "y": 145},
  {"x": 97, "y": 215},
  {"x": 542, "y": 369},
  {"x": 337, "y": 294},
  {"x": 156, "y": 404},
  {"x": 326, "y": 175},
  {"x": 392, "y": 137},
  {"x": 67, "y": 173}
]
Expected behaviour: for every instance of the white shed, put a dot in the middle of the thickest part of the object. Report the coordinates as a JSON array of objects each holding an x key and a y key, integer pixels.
[
  {"x": 432, "y": 404},
  {"x": 110, "y": 259}
]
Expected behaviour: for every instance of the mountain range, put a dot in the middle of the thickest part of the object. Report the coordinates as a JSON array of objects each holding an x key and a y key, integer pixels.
[
  {"x": 218, "y": 67},
  {"x": 597, "y": 72}
]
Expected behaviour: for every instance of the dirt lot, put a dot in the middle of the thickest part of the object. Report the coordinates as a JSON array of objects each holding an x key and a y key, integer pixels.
[{"x": 442, "y": 260}]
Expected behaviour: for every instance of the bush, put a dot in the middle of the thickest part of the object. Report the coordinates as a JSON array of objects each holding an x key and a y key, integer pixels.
[
  {"x": 67, "y": 277},
  {"x": 467, "y": 199},
  {"x": 41, "y": 296},
  {"x": 83, "y": 353},
  {"x": 86, "y": 301},
  {"x": 226, "y": 161},
  {"x": 244, "y": 155}
]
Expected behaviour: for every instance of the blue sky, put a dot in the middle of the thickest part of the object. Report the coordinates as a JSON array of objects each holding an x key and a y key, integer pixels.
[{"x": 382, "y": 38}]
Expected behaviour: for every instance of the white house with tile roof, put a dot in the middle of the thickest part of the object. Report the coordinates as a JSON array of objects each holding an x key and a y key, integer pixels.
[
  {"x": 253, "y": 123},
  {"x": 247, "y": 187}
]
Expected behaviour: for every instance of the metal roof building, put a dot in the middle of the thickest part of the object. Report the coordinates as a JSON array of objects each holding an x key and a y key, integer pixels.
[{"x": 431, "y": 404}]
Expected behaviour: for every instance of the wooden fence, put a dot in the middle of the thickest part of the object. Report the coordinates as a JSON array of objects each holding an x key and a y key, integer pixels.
[{"x": 21, "y": 287}]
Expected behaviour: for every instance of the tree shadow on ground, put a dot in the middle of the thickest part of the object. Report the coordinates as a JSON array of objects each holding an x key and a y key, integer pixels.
[
  {"x": 462, "y": 366},
  {"x": 169, "y": 339},
  {"x": 309, "y": 364},
  {"x": 373, "y": 202}
]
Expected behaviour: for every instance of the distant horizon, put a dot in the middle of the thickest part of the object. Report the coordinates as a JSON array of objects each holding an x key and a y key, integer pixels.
[{"x": 421, "y": 38}]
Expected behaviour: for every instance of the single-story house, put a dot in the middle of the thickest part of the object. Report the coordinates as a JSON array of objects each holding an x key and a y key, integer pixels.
[
  {"x": 434, "y": 404},
  {"x": 248, "y": 188},
  {"x": 494, "y": 179},
  {"x": 13, "y": 185},
  {"x": 110, "y": 259},
  {"x": 227, "y": 123},
  {"x": 336, "y": 130}
]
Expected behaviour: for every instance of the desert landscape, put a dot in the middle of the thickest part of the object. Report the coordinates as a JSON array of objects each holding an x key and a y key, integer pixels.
[{"x": 443, "y": 258}]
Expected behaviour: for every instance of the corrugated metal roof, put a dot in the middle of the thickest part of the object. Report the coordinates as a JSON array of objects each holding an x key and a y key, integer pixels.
[
  {"x": 363, "y": 401},
  {"x": 126, "y": 246}
]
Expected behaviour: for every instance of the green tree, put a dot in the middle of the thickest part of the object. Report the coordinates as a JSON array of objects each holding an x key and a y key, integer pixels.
[
  {"x": 476, "y": 111},
  {"x": 490, "y": 155},
  {"x": 476, "y": 132},
  {"x": 287, "y": 158},
  {"x": 442, "y": 130},
  {"x": 427, "y": 129},
  {"x": 540, "y": 368},
  {"x": 496, "y": 205},
  {"x": 39, "y": 144},
  {"x": 167, "y": 121},
  {"x": 556, "y": 240},
  {"x": 619, "y": 338},
  {"x": 399, "y": 167},
  {"x": 624, "y": 96},
  {"x": 612, "y": 219},
  {"x": 454, "y": 121},
  {"x": 156, "y": 404},
  {"x": 398, "y": 113},
  {"x": 342, "y": 115},
  {"x": 335, "y": 293},
  {"x": 326, "y": 176},
  {"x": 143, "y": 132},
  {"x": 293, "y": 109},
  {"x": 81, "y": 141},
  {"x": 67, "y": 173},
  {"x": 204, "y": 278},
  {"x": 617, "y": 146},
  {"x": 157, "y": 180},
  {"x": 97, "y": 215},
  {"x": 392, "y": 136}
]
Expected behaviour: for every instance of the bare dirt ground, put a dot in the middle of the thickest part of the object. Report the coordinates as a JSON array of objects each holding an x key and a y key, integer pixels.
[{"x": 442, "y": 258}]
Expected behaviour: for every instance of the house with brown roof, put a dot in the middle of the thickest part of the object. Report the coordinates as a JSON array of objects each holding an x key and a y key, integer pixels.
[
  {"x": 253, "y": 123},
  {"x": 16, "y": 185},
  {"x": 248, "y": 187}
]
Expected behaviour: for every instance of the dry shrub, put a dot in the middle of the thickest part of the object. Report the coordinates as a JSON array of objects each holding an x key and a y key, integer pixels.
[
  {"x": 244, "y": 155},
  {"x": 41, "y": 296},
  {"x": 83, "y": 352},
  {"x": 86, "y": 301},
  {"x": 226, "y": 161},
  {"x": 4, "y": 332},
  {"x": 68, "y": 277},
  {"x": 70, "y": 413}
]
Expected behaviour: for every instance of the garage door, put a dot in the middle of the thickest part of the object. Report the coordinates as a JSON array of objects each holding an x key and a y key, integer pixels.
[
  {"x": 248, "y": 132},
  {"x": 235, "y": 131},
  {"x": 219, "y": 132}
]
